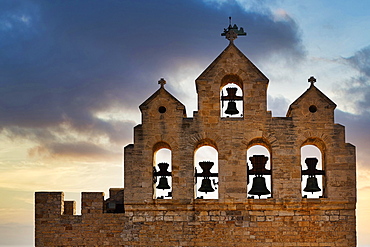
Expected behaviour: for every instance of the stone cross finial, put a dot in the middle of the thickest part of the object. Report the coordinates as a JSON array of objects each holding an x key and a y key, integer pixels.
[
  {"x": 231, "y": 36},
  {"x": 162, "y": 82},
  {"x": 232, "y": 32},
  {"x": 312, "y": 80}
]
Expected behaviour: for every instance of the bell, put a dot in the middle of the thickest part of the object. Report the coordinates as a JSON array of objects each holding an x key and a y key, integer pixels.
[
  {"x": 163, "y": 184},
  {"x": 206, "y": 186},
  {"x": 259, "y": 187},
  {"x": 312, "y": 185},
  {"x": 231, "y": 108}
]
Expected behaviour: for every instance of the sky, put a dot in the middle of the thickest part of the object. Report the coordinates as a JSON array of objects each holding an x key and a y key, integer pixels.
[{"x": 73, "y": 73}]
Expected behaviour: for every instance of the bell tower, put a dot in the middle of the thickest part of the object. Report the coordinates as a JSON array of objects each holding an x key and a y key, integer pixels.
[
  {"x": 231, "y": 175},
  {"x": 232, "y": 67}
]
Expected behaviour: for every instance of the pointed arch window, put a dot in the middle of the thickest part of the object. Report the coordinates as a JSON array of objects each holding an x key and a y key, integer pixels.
[
  {"x": 206, "y": 173},
  {"x": 162, "y": 174},
  {"x": 312, "y": 185},
  {"x": 231, "y": 101},
  {"x": 259, "y": 173}
]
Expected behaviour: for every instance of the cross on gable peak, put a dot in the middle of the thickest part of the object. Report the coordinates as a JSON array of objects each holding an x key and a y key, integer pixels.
[
  {"x": 312, "y": 80},
  {"x": 232, "y": 32},
  {"x": 162, "y": 81}
]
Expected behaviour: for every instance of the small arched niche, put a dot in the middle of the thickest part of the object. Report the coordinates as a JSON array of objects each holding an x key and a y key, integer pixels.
[
  {"x": 259, "y": 173},
  {"x": 231, "y": 97},
  {"x": 162, "y": 172},
  {"x": 206, "y": 172},
  {"x": 312, "y": 185}
]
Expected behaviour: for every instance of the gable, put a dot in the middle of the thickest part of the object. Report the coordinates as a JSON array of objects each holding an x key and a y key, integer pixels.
[
  {"x": 161, "y": 93},
  {"x": 162, "y": 106},
  {"x": 312, "y": 101},
  {"x": 232, "y": 61}
]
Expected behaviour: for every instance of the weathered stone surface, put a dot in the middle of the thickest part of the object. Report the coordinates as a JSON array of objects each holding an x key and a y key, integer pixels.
[{"x": 286, "y": 219}]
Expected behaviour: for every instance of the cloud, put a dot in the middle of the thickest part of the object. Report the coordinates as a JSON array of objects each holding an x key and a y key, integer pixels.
[
  {"x": 73, "y": 149},
  {"x": 357, "y": 87},
  {"x": 85, "y": 150},
  {"x": 356, "y": 133},
  {"x": 278, "y": 105},
  {"x": 64, "y": 63},
  {"x": 361, "y": 60}
]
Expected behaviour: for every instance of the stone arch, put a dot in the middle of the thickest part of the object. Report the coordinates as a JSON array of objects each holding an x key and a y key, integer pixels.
[
  {"x": 317, "y": 142},
  {"x": 205, "y": 151},
  {"x": 264, "y": 149},
  {"x": 204, "y": 137},
  {"x": 313, "y": 138},
  {"x": 231, "y": 78},
  {"x": 270, "y": 139},
  {"x": 231, "y": 96},
  {"x": 159, "y": 145},
  {"x": 205, "y": 142},
  {"x": 166, "y": 139},
  {"x": 231, "y": 101},
  {"x": 260, "y": 141},
  {"x": 319, "y": 150},
  {"x": 160, "y": 192}
]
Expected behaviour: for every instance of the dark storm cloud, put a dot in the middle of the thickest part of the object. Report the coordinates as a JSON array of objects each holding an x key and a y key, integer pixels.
[
  {"x": 63, "y": 61},
  {"x": 360, "y": 85}
]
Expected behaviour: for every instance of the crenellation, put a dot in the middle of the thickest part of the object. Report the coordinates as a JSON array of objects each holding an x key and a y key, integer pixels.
[
  {"x": 49, "y": 204},
  {"x": 69, "y": 208},
  {"x": 92, "y": 203}
]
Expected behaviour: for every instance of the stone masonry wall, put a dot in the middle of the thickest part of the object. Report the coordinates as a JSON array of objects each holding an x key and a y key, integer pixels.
[
  {"x": 285, "y": 219},
  {"x": 311, "y": 222}
]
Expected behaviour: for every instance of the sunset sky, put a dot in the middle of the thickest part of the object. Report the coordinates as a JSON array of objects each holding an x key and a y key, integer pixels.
[{"x": 73, "y": 73}]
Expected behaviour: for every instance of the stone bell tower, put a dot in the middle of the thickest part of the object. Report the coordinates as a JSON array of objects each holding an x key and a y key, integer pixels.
[{"x": 279, "y": 196}]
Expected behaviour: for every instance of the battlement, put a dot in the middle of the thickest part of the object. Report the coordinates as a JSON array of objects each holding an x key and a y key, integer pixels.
[
  {"x": 202, "y": 223},
  {"x": 52, "y": 204},
  {"x": 48, "y": 204}
]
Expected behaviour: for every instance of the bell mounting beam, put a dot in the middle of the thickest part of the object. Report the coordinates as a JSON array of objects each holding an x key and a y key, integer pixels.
[
  {"x": 258, "y": 163},
  {"x": 312, "y": 171},
  {"x": 162, "y": 170},
  {"x": 206, "y": 167}
]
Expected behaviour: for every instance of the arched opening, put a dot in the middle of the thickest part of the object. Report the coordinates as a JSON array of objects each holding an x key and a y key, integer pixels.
[
  {"x": 162, "y": 173},
  {"x": 206, "y": 173},
  {"x": 259, "y": 173},
  {"x": 231, "y": 101},
  {"x": 312, "y": 185}
]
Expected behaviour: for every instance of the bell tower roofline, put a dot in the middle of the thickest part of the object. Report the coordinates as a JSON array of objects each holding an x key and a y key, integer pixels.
[
  {"x": 312, "y": 90},
  {"x": 231, "y": 58},
  {"x": 225, "y": 64},
  {"x": 162, "y": 93}
]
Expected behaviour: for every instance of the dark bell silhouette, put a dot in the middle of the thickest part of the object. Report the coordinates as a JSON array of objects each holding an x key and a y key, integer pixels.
[
  {"x": 231, "y": 108},
  {"x": 259, "y": 187},
  {"x": 312, "y": 185},
  {"x": 206, "y": 186},
  {"x": 163, "y": 184}
]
